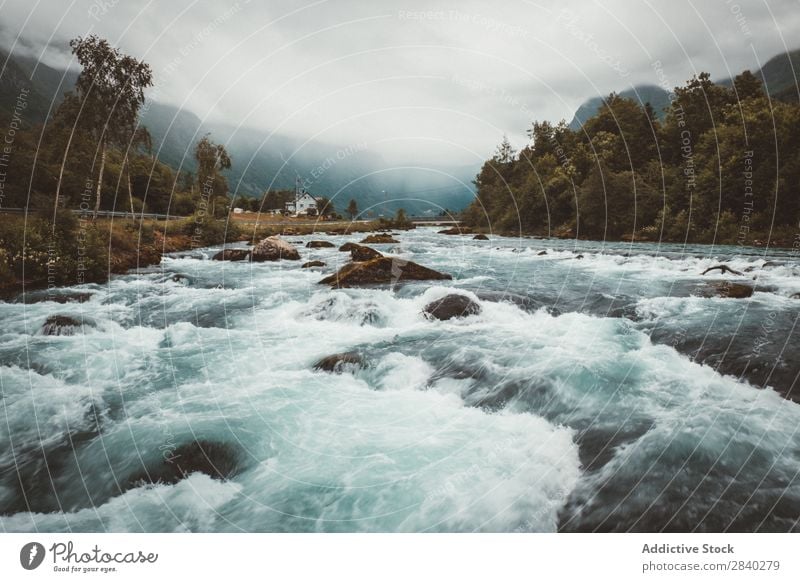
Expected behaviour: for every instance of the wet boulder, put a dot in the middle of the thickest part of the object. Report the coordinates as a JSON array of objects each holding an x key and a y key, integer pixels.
[
  {"x": 347, "y": 247},
  {"x": 181, "y": 279},
  {"x": 311, "y": 264},
  {"x": 379, "y": 239},
  {"x": 338, "y": 363},
  {"x": 456, "y": 230},
  {"x": 480, "y": 237},
  {"x": 450, "y": 306},
  {"x": 319, "y": 244},
  {"x": 274, "y": 248},
  {"x": 53, "y": 295},
  {"x": 61, "y": 325},
  {"x": 382, "y": 270},
  {"x": 727, "y": 289},
  {"x": 232, "y": 255},
  {"x": 361, "y": 253},
  {"x": 215, "y": 459}
]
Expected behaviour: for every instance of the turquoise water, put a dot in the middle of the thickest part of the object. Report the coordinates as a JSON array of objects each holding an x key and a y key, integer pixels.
[{"x": 594, "y": 393}]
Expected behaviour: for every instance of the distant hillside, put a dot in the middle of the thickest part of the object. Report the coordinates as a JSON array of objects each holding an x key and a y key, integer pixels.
[
  {"x": 260, "y": 160},
  {"x": 656, "y": 96},
  {"x": 45, "y": 86},
  {"x": 780, "y": 75}
]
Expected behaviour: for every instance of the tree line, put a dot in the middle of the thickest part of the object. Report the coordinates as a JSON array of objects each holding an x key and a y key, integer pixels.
[
  {"x": 93, "y": 154},
  {"x": 722, "y": 167}
]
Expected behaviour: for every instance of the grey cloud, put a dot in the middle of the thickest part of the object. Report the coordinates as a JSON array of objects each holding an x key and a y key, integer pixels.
[{"x": 410, "y": 76}]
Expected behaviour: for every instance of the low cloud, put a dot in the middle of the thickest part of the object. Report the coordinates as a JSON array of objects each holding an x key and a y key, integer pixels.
[{"x": 436, "y": 82}]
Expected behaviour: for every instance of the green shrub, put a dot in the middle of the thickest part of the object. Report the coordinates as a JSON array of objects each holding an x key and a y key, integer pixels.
[{"x": 207, "y": 231}]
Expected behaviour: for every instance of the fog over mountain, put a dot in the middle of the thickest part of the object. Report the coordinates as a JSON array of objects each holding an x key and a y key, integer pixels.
[
  {"x": 426, "y": 84},
  {"x": 420, "y": 80}
]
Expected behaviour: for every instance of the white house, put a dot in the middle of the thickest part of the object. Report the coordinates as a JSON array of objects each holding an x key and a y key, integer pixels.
[{"x": 303, "y": 203}]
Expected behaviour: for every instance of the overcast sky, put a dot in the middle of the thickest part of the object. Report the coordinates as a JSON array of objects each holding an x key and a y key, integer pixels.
[{"x": 416, "y": 81}]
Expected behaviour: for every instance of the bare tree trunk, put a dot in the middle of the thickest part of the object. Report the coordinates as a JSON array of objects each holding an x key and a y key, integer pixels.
[
  {"x": 130, "y": 190},
  {"x": 100, "y": 179},
  {"x": 61, "y": 171}
]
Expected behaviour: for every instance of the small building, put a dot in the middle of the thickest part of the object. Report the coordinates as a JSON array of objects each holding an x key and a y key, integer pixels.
[
  {"x": 304, "y": 204},
  {"x": 238, "y": 210}
]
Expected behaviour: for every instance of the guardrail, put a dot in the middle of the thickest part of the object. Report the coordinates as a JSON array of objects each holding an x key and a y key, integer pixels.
[
  {"x": 429, "y": 220},
  {"x": 103, "y": 213}
]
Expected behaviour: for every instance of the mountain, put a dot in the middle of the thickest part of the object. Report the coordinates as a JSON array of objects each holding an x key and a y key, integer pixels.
[
  {"x": 261, "y": 160},
  {"x": 46, "y": 86},
  {"x": 779, "y": 75},
  {"x": 656, "y": 96}
]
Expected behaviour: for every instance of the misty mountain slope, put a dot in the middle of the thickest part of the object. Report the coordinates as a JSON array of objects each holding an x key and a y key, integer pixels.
[
  {"x": 656, "y": 96},
  {"x": 44, "y": 85},
  {"x": 779, "y": 75},
  {"x": 261, "y": 160}
]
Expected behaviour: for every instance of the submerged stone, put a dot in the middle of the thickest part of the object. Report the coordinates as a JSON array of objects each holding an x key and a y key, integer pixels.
[
  {"x": 381, "y": 270},
  {"x": 274, "y": 248},
  {"x": 450, "y": 306},
  {"x": 232, "y": 255},
  {"x": 337, "y": 363},
  {"x": 379, "y": 239}
]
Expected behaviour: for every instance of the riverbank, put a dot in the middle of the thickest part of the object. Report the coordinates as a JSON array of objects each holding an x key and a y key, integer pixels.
[
  {"x": 36, "y": 254},
  {"x": 781, "y": 238}
]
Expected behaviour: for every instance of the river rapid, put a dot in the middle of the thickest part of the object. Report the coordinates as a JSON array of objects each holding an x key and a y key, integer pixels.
[{"x": 598, "y": 389}]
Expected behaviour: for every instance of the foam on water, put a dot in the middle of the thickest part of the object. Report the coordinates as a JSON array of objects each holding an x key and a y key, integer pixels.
[{"x": 512, "y": 419}]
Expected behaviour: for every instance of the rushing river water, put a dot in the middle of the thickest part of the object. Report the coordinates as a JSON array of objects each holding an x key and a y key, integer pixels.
[{"x": 595, "y": 393}]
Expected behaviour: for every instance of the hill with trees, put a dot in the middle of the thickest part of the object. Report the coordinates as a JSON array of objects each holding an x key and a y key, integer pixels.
[
  {"x": 265, "y": 160},
  {"x": 779, "y": 75},
  {"x": 722, "y": 167}
]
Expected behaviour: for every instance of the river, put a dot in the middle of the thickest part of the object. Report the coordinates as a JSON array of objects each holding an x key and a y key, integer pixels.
[{"x": 597, "y": 390}]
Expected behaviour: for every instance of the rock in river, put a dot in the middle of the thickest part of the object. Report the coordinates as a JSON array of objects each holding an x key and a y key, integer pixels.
[
  {"x": 361, "y": 253},
  {"x": 337, "y": 363},
  {"x": 727, "y": 289},
  {"x": 379, "y": 239},
  {"x": 455, "y": 230},
  {"x": 450, "y": 306},
  {"x": 310, "y": 264},
  {"x": 274, "y": 248},
  {"x": 61, "y": 325},
  {"x": 480, "y": 237},
  {"x": 381, "y": 270},
  {"x": 232, "y": 255},
  {"x": 218, "y": 460},
  {"x": 319, "y": 244}
]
